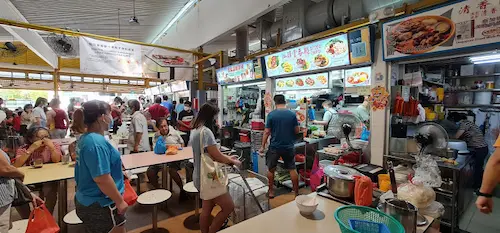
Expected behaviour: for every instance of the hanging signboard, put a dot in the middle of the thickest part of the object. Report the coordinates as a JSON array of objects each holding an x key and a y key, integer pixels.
[
  {"x": 157, "y": 60},
  {"x": 304, "y": 82},
  {"x": 236, "y": 73},
  {"x": 318, "y": 55},
  {"x": 110, "y": 58},
  {"x": 452, "y": 27},
  {"x": 165, "y": 88},
  {"x": 258, "y": 68},
  {"x": 358, "y": 77},
  {"x": 361, "y": 45},
  {"x": 179, "y": 86}
]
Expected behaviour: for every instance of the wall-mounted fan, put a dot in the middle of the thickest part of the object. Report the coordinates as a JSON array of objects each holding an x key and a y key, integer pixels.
[
  {"x": 432, "y": 139},
  {"x": 64, "y": 46},
  {"x": 9, "y": 49}
]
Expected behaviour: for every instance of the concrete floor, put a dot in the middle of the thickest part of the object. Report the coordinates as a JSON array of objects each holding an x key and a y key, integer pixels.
[{"x": 472, "y": 220}]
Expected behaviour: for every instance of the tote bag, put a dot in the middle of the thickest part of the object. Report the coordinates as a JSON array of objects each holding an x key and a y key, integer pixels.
[{"x": 213, "y": 179}]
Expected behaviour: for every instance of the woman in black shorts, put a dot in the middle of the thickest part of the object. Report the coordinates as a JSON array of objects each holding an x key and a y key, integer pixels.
[{"x": 98, "y": 172}]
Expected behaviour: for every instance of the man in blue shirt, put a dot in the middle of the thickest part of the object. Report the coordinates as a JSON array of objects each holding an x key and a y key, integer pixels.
[
  {"x": 167, "y": 104},
  {"x": 282, "y": 126}
]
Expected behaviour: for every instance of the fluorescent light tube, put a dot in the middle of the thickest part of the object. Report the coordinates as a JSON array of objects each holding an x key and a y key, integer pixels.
[
  {"x": 487, "y": 61},
  {"x": 485, "y": 57},
  {"x": 177, "y": 17}
]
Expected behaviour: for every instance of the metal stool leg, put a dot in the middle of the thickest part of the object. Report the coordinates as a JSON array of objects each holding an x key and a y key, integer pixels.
[
  {"x": 138, "y": 184},
  {"x": 155, "y": 217},
  {"x": 197, "y": 205}
]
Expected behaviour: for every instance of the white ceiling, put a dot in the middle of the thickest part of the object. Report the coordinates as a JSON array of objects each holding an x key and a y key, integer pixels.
[{"x": 101, "y": 16}]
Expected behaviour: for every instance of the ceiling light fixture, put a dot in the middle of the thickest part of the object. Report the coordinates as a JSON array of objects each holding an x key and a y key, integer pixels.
[
  {"x": 133, "y": 19},
  {"x": 485, "y": 57},
  {"x": 487, "y": 61},
  {"x": 179, "y": 14}
]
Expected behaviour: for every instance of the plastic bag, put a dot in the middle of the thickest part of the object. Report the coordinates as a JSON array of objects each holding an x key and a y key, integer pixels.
[
  {"x": 129, "y": 195},
  {"x": 316, "y": 175},
  {"x": 435, "y": 210},
  {"x": 427, "y": 172},
  {"x": 418, "y": 195},
  {"x": 172, "y": 150},
  {"x": 363, "y": 191},
  {"x": 160, "y": 147},
  {"x": 41, "y": 221}
]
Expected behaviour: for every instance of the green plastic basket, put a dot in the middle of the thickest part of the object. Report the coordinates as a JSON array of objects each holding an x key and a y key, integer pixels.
[{"x": 344, "y": 213}]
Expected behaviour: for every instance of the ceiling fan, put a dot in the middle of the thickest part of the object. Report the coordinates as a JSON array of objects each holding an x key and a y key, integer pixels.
[{"x": 133, "y": 19}]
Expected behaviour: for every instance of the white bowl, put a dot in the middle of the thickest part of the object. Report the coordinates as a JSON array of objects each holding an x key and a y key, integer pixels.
[{"x": 306, "y": 204}]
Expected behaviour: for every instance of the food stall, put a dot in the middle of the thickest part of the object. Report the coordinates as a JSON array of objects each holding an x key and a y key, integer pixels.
[
  {"x": 241, "y": 91},
  {"x": 337, "y": 68},
  {"x": 444, "y": 61}
]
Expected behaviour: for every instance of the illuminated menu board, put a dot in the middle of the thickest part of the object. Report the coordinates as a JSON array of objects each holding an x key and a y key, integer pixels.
[
  {"x": 236, "y": 73},
  {"x": 326, "y": 53}
]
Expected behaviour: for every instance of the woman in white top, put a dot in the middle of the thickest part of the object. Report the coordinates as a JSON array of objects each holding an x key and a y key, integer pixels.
[
  {"x": 202, "y": 132},
  {"x": 26, "y": 118},
  {"x": 39, "y": 117}
]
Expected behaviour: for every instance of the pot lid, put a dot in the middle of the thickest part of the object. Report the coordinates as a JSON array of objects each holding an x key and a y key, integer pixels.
[{"x": 341, "y": 172}]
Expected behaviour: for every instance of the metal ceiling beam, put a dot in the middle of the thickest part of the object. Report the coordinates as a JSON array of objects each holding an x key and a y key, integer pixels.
[
  {"x": 30, "y": 38},
  {"x": 14, "y": 23}
]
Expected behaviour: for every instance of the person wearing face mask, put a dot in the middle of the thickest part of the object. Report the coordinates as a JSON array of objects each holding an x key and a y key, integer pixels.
[
  {"x": 98, "y": 172},
  {"x": 138, "y": 139},
  {"x": 329, "y": 116},
  {"x": 246, "y": 114},
  {"x": 39, "y": 117},
  {"x": 184, "y": 120},
  {"x": 39, "y": 147}
]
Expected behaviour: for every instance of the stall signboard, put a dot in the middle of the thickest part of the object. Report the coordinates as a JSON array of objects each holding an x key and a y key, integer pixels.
[
  {"x": 165, "y": 88},
  {"x": 304, "y": 82},
  {"x": 155, "y": 90},
  {"x": 179, "y": 86},
  {"x": 158, "y": 60},
  {"x": 258, "y": 68},
  {"x": 110, "y": 58},
  {"x": 451, "y": 27},
  {"x": 361, "y": 45},
  {"x": 236, "y": 73},
  {"x": 322, "y": 54},
  {"x": 358, "y": 77}
]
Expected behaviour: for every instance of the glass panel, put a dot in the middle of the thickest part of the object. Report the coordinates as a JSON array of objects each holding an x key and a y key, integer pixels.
[
  {"x": 115, "y": 81},
  {"x": 18, "y": 75},
  {"x": 98, "y": 80},
  {"x": 123, "y": 81},
  {"x": 65, "y": 78},
  {"x": 76, "y": 79},
  {"x": 88, "y": 79},
  {"x": 34, "y": 76},
  {"x": 47, "y": 77}
]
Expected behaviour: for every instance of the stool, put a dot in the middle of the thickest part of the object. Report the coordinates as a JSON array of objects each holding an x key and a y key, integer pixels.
[
  {"x": 193, "y": 222},
  {"x": 154, "y": 197},
  {"x": 19, "y": 226},
  {"x": 72, "y": 219}
]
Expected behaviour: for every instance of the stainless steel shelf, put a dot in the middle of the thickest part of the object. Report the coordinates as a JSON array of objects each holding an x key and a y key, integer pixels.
[{"x": 474, "y": 106}]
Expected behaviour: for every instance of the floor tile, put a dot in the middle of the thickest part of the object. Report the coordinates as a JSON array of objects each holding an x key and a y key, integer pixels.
[{"x": 481, "y": 228}]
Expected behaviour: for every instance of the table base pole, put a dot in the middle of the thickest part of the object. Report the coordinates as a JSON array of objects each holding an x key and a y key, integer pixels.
[{"x": 62, "y": 207}]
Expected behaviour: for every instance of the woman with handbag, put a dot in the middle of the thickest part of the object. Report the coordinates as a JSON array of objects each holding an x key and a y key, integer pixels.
[
  {"x": 209, "y": 177},
  {"x": 98, "y": 172}
]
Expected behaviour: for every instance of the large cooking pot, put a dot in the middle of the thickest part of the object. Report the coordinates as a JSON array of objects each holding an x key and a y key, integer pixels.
[
  {"x": 403, "y": 211},
  {"x": 340, "y": 181},
  {"x": 457, "y": 144}
]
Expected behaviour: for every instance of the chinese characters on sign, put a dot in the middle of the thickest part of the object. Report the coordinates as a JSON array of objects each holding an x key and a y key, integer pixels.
[
  {"x": 326, "y": 53},
  {"x": 236, "y": 73},
  {"x": 455, "y": 26},
  {"x": 110, "y": 58}
]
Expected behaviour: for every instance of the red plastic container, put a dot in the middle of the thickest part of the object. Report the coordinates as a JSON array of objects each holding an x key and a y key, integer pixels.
[
  {"x": 258, "y": 124},
  {"x": 244, "y": 137}
]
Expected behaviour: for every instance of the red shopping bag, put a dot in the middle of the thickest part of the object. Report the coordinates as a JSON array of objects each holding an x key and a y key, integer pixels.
[
  {"x": 129, "y": 195},
  {"x": 41, "y": 221},
  {"x": 316, "y": 175}
]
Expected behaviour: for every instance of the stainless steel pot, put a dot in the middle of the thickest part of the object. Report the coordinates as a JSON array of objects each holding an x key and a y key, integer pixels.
[
  {"x": 340, "y": 181},
  {"x": 403, "y": 211}
]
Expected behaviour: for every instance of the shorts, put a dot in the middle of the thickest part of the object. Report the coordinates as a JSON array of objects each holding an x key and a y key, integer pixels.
[
  {"x": 288, "y": 156},
  {"x": 173, "y": 165},
  {"x": 98, "y": 219}
]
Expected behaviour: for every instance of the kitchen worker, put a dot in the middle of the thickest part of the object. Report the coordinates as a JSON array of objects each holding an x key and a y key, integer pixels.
[
  {"x": 329, "y": 116},
  {"x": 282, "y": 126},
  {"x": 138, "y": 138},
  {"x": 491, "y": 178},
  {"x": 472, "y": 135},
  {"x": 363, "y": 111}
]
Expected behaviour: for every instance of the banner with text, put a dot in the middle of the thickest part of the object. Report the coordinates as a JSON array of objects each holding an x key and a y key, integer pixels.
[{"x": 110, "y": 58}]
